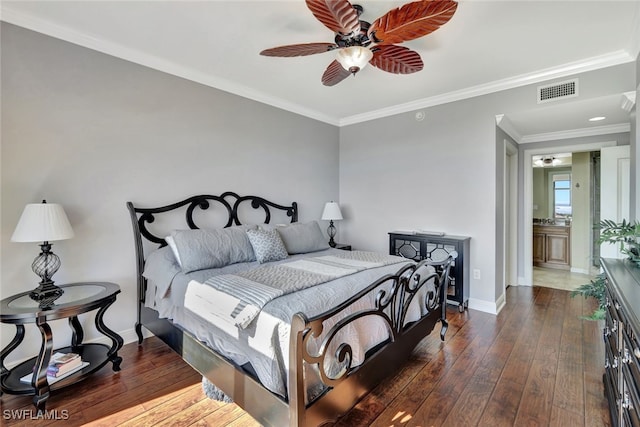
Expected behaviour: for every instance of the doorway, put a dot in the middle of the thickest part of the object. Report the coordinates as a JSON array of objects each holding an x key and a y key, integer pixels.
[{"x": 527, "y": 240}]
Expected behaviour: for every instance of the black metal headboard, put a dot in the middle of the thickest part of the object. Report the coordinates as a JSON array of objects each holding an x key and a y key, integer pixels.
[{"x": 232, "y": 202}]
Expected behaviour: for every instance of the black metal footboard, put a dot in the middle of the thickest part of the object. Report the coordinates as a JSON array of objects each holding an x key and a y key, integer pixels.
[{"x": 332, "y": 358}]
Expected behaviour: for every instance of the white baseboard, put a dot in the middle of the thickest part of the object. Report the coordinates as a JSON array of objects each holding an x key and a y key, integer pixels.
[
  {"x": 579, "y": 270},
  {"x": 485, "y": 306},
  {"x": 523, "y": 282},
  {"x": 501, "y": 302}
]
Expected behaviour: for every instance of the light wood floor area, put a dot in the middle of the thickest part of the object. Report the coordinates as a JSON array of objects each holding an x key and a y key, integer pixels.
[
  {"x": 559, "y": 279},
  {"x": 535, "y": 364}
]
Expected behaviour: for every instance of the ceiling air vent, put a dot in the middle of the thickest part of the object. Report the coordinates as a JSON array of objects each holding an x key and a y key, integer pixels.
[{"x": 556, "y": 91}]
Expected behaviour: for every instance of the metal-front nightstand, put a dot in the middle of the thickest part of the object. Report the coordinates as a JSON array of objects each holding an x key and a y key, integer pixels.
[
  {"x": 77, "y": 298},
  {"x": 438, "y": 248}
]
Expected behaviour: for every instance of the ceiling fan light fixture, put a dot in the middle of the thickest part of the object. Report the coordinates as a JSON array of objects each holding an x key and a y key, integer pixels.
[
  {"x": 551, "y": 161},
  {"x": 353, "y": 36},
  {"x": 545, "y": 161},
  {"x": 354, "y": 58}
]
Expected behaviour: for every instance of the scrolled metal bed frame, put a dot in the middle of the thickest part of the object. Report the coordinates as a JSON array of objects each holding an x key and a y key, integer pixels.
[{"x": 394, "y": 293}]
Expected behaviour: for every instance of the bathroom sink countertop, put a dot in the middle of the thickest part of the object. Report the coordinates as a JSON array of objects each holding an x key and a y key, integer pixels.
[{"x": 553, "y": 225}]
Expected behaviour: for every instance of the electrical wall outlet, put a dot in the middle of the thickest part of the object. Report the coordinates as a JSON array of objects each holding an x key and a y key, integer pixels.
[{"x": 476, "y": 274}]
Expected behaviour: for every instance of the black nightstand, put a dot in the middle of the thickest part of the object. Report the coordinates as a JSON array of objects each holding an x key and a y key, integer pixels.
[
  {"x": 343, "y": 246},
  {"x": 438, "y": 248},
  {"x": 77, "y": 298}
]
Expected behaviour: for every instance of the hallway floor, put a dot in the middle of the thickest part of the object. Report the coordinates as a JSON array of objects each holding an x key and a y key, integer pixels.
[{"x": 559, "y": 279}]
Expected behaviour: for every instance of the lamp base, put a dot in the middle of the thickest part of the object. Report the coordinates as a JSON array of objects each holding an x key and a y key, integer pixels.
[
  {"x": 45, "y": 265},
  {"x": 331, "y": 231},
  {"x": 46, "y": 294}
]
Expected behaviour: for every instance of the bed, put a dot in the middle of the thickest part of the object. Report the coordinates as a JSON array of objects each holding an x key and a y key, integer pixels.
[{"x": 294, "y": 338}]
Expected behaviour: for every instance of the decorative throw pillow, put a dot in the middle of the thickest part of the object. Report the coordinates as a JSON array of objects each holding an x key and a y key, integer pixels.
[
  {"x": 267, "y": 245},
  {"x": 300, "y": 238}
]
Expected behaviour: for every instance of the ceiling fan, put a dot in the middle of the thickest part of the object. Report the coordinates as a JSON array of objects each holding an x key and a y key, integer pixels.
[{"x": 358, "y": 42}]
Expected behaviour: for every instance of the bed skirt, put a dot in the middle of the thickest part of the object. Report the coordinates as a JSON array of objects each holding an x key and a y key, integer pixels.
[{"x": 213, "y": 392}]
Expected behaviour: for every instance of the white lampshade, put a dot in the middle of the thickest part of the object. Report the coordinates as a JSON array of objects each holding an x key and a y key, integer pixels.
[
  {"x": 42, "y": 222},
  {"x": 354, "y": 58},
  {"x": 331, "y": 211}
]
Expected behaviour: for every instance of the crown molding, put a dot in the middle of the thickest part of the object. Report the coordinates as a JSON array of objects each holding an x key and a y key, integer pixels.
[
  {"x": 507, "y": 126},
  {"x": 576, "y": 133},
  {"x": 589, "y": 64},
  {"x": 67, "y": 34},
  {"x": 628, "y": 101}
]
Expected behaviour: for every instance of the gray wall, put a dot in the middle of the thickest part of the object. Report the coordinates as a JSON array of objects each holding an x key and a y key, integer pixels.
[
  {"x": 435, "y": 174},
  {"x": 91, "y": 132},
  {"x": 582, "y": 220},
  {"x": 540, "y": 194},
  {"x": 442, "y": 173}
]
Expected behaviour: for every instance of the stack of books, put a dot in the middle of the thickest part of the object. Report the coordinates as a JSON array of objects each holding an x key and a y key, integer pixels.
[
  {"x": 60, "y": 366},
  {"x": 63, "y": 363}
]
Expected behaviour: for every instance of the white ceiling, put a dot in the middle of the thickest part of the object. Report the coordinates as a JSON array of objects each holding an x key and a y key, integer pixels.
[{"x": 487, "y": 46}]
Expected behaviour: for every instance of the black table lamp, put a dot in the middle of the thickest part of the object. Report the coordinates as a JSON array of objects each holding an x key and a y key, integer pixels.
[
  {"x": 44, "y": 222},
  {"x": 332, "y": 213}
]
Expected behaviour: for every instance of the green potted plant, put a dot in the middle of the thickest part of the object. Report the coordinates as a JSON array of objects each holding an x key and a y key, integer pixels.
[
  {"x": 594, "y": 289},
  {"x": 627, "y": 236}
]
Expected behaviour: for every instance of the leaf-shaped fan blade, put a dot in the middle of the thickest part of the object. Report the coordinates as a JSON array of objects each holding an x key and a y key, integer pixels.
[
  {"x": 337, "y": 15},
  {"x": 334, "y": 74},
  {"x": 299, "y": 49},
  {"x": 396, "y": 59},
  {"x": 411, "y": 21}
]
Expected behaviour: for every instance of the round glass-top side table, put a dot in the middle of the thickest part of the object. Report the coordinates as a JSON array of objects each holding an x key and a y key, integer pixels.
[{"x": 30, "y": 377}]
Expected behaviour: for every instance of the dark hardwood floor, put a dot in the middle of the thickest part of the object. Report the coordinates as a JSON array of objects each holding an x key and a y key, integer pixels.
[{"x": 535, "y": 364}]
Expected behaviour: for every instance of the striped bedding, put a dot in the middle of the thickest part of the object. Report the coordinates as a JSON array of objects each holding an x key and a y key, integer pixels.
[{"x": 238, "y": 298}]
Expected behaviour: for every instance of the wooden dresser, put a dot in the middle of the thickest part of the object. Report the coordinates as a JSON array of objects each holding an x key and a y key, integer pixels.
[{"x": 622, "y": 341}]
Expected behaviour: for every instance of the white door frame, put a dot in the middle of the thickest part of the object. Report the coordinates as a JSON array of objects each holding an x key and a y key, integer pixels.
[
  {"x": 527, "y": 216},
  {"x": 510, "y": 243}
]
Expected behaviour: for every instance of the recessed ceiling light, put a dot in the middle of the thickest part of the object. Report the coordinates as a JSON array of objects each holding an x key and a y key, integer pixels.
[{"x": 597, "y": 119}]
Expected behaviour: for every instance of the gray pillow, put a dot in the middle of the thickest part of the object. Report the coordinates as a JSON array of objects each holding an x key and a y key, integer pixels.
[
  {"x": 300, "y": 238},
  {"x": 201, "y": 249},
  {"x": 267, "y": 245}
]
